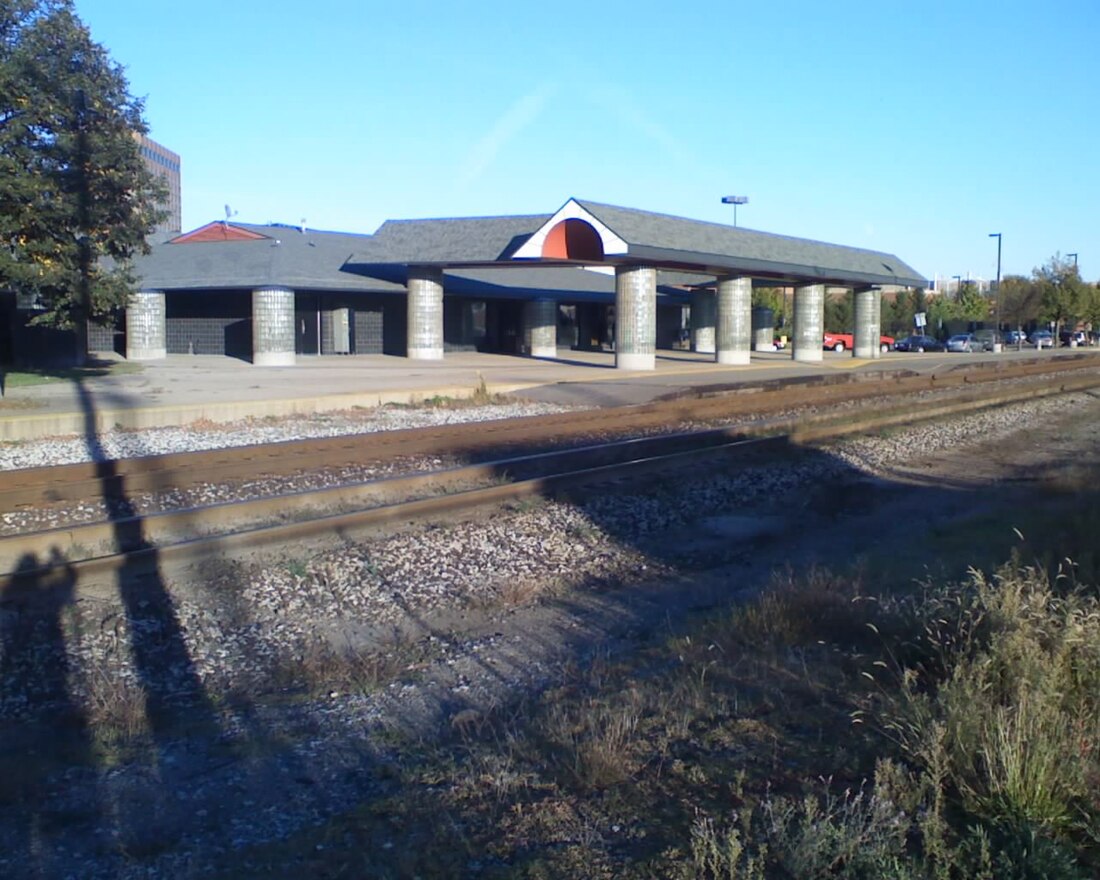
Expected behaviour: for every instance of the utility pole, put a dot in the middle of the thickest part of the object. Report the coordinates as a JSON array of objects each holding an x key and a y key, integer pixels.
[{"x": 997, "y": 235}]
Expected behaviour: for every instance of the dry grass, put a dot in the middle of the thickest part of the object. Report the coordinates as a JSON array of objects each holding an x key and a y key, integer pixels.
[
  {"x": 116, "y": 710},
  {"x": 323, "y": 668},
  {"x": 19, "y": 403},
  {"x": 479, "y": 396},
  {"x": 1014, "y": 723}
]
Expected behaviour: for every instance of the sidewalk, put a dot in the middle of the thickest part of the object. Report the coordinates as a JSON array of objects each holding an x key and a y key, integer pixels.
[{"x": 182, "y": 389}]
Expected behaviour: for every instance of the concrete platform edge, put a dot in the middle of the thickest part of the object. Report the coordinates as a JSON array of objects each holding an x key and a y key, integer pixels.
[{"x": 62, "y": 424}]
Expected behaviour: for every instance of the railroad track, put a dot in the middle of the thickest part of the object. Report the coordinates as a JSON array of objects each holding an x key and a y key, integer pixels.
[
  {"x": 486, "y": 441},
  {"x": 133, "y": 544}
]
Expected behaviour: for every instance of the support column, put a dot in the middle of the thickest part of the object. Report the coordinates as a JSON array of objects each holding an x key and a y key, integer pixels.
[
  {"x": 809, "y": 323},
  {"x": 635, "y": 317},
  {"x": 146, "y": 327},
  {"x": 540, "y": 328},
  {"x": 734, "y": 320},
  {"x": 425, "y": 322},
  {"x": 703, "y": 310},
  {"x": 867, "y": 324},
  {"x": 877, "y": 352},
  {"x": 273, "y": 327}
]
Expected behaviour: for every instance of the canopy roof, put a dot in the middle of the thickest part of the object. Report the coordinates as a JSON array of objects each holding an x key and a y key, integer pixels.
[{"x": 580, "y": 233}]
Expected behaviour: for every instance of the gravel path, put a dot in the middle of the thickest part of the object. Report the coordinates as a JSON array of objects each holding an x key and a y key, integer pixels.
[{"x": 405, "y": 632}]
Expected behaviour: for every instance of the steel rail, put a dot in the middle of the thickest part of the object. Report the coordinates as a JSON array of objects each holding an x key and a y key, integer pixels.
[
  {"x": 118, "y": 479},
  {"x": 565, "y": 471},
  {"x": 190, "y": 523}
]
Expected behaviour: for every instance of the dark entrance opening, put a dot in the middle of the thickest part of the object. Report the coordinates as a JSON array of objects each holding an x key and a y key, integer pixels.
[
  {"x": 503, "y": 327},
  {"x": 307, "y": 323}
]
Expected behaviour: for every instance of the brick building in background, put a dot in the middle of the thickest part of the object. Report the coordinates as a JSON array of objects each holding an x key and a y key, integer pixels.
[{"x": 165, "y": 164}]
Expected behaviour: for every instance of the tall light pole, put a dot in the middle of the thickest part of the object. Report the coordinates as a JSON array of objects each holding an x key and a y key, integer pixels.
[
  {"x": 997, "y": 236},
  {"x": 735, "y": 201},
  {"x": 1074, "y": 259},
  {"x": 958, "y": 285}
]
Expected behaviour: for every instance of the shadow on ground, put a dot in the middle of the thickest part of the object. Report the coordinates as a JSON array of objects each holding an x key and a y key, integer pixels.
[{"x": 198, "y": 761}]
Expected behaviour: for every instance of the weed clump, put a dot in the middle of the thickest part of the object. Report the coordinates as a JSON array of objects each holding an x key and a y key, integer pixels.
[
  {"x": 988, "y": 695},
  {"x": 1011, "y": 729}
]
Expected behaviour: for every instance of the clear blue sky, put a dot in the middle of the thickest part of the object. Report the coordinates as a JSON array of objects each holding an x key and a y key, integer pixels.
[{"x": 916, "y": 128}]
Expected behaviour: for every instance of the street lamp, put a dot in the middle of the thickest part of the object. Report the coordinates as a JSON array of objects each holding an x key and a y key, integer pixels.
[
  {"x": 735, "y": 201},
  {"x": 997, "y": 236},
  {"x": 958, "y": 285},
  {"x": 1074, "y": 259}
]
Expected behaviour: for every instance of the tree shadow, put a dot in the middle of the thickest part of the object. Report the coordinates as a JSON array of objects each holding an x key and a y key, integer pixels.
[
  {"x": 146, "y": 707},
  {"x": 44, "y": 729},
  {"x": 162, "y": 662}
]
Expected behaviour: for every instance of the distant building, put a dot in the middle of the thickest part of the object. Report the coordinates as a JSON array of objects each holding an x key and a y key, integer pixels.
[{"x": 165, "y": 165}]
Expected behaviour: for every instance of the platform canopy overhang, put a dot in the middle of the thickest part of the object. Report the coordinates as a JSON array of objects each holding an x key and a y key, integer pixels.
[
  {"x": 584, "y": 233},
  {"x": 687, "y": 253}
]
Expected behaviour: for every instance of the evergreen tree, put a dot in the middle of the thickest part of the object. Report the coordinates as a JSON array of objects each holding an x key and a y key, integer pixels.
[
  {"x": 920, "y": 300},
  {"x": 839, "y": 312},
  {"x": 76, "y": 201},
  {"x": 897, "y": 314}
]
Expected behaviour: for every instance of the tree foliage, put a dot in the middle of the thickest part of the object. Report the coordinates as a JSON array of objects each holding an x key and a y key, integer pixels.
[
  {"x": 1021, "y": 300},
  {"x": 898, "y": 313},
  {"x": 771, "y": 298},
  {"x": 972, "y": 305},
  {"x": 840, "y": 312},
  {"x": 1090, "y": 307},
  {"x": 1063, "y": 295},
  {"x": 76, "y": 201}
]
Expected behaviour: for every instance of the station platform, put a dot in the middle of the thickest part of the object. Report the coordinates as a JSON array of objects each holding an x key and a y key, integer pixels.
[{"x": 183, "y": 389}]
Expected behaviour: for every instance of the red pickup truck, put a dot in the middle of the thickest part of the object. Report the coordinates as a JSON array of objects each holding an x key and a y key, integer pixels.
[{"x": 845, "y": 341}]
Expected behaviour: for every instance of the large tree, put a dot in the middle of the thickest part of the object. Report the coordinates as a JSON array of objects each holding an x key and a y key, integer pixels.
[
  {"x": 1090, "y": 311},
  {"x": 76, "y": 201},
  {"x": 1064, "y": 294},
  {"x": 1021, "y": 300}
]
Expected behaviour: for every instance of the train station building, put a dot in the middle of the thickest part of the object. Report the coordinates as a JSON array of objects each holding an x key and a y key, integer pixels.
[{"x": 586, "y": 276}]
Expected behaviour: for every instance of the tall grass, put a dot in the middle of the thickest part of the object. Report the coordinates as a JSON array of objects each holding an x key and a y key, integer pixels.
[
  {"x": 1014, "y": 725},
  {"x": 989, "y": 696}
]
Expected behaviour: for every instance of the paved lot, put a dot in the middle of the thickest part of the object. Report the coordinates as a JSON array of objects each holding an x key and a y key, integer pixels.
[{"x": 182, "y": 389}]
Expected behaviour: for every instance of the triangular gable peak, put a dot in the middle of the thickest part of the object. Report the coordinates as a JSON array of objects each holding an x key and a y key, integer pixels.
[
  {"x": 219, "y": 230},
  {"x": 574, "y": 234}
]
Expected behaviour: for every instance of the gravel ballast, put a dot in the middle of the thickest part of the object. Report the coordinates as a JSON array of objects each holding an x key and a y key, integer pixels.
[
  {"x": 461, "y": 616},
  {"x": 159, "y": 441}
]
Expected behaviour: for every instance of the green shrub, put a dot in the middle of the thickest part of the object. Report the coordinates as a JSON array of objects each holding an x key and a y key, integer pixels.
[{"x": 1012, "y": 731}]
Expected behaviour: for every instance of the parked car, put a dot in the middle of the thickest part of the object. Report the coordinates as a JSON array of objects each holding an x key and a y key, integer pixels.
[
  {"x": 918, "y": 344},
  {"x": 1015, "y": 337},
  {"x": 963, "y": 342},
  {"x": 1042, "y": 339},
  {"x": 846, "y": 342},
  {"x": 985, "y": 339},
  {"x": 1069, "y": 337}
]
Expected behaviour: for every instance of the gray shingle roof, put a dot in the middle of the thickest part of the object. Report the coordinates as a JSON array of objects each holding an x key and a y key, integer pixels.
[
  {"x": 449, "y": 240},
  {"x": 651, "y": 238},
  {"x": 286, "y": 256},
  {"x": 338, "y": 261},
  {"x": 663, "y": 237}
]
